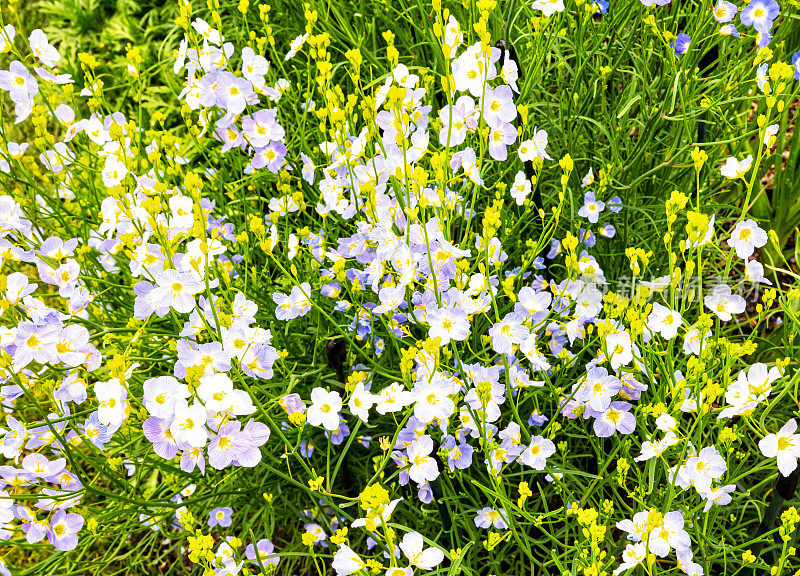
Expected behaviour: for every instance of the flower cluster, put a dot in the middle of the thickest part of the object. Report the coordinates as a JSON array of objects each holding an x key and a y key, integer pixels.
[{"x": 376, "y": 301}]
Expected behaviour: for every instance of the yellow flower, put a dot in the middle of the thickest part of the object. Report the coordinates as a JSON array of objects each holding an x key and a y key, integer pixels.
[
  {"x": 699, "y": 157},
  {"x": 340, "y": 537},
  {"x": 309, "y": 539},
  {"x": 316, "y": 484}
]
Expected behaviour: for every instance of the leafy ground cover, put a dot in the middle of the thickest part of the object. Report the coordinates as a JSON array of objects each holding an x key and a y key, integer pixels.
[{"x": 399, "y": 288}]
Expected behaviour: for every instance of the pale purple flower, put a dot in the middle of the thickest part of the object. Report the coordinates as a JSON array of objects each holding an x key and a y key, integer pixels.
[
  {"x": 64, "y": 528},
  {"x": 257, "y": 435},
  {"x": 270, "y": 157},
  {"x": 233, "y": 93},
  {"x": 262, "y": 128},
  {"x": 20, "y": 84},
  {"x": 220, "y": 517},
  {"x": 227, "y": 445},
  {"x": 156, "y": 430},
  {"x": 617, "y": 418},
  {"x": 489, "y": 517},
  {"x": 501, "y": 136},
  {"x": 262, "y": 552}
]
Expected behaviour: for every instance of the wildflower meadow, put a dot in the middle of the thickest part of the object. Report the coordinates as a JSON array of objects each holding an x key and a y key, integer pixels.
[{"x": 375, "y": 287}]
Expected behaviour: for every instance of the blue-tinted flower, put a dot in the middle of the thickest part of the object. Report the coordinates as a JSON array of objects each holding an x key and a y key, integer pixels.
[
  {"x": 489, "y": 517},
  {"x": 220, "y": 517},
  {"x": 729, "y": 30},
  {"x": 591, "y": 208},
  {"x": 681, "y": 44},
  {"x": 724, "y": 11},
  {"x": 306, "y": 449},
  {"x": 760, "y": 14},
  {"x": 64, "y": 528},
  {"x": 555, "y": 249},
  {"x": 537, "y": 419},
  {"x": 607, "y": 230},
  {"x": 337, "y": 436},
  {"x": 587, "y": 237},
  {"x": 763, "y": 38},
  {"x": 262, "y": 553},
  {"x": 617, "y": 418}
]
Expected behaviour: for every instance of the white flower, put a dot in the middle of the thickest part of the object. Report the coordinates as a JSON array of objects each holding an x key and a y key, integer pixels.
[
  {"x": 651, "y": 449},
  {"x": 664, "y": 321},
  {"x": 588, "y": 180},
  {"x": 785, "y": 445},
  {"x": 7, "y": 38},
  {"x": 632, "y": 556},
  {"x": 189, "y": 423},
  {"x": 548, "y": 7},
  {"x": 424, "y": 559},
  {"x": 707, "y": 466},
  {"x": 760, "y": 379},
  {"x": 724, "y": 303},
  {"x": 619, "y": 349},
  {"x": 693, "y": 343},
  {"x": 215, "y": 391},
  {"x": 6, "y": 506},
  {"x": 208, "y": 33},
  {"x": 393, "y": 398},
  {"x": 453, "y": 36},
  {"x": 665, "y": 422},
  {"x": 537, "y": 452},
  {"x": 44, "y": 51},
  {"x": 506, "y": 333},
  {"x": 181, "y": 208},
  {"x": 589, "y": 301},
  {"x": 112, "y": 397},
  {"x": 17, "y": 287},
  {"x": 324, "y": 410},
  {"x": 520, "y": 188},
  {"x": 161, "y": 394},
  {"x": 295, "y": 46},
  {"x": 535, "y": 147},
  {"x": 470, "y": 71},
  {"x": 754, "y": 272},
  {"x": 719, "y": 495},
  {"x": 598, "y": 388},
  {"x": 294, "y": 305},
  {"x": 669, "y": 535},
  {"x": 533, "y": 301},
  {"x": 114, "y": 170},
  {"x": 738, "y": 396},
  {"x": 385, "y": 515},
  {"x": 770, "y": 135},
  {"x": 448, "y": 323},
  {"x": 361, "y": 401},
  {"x": 423, "y": 468},
  {"x": 733, "y": 168},
  {"x": 391, "y": 297},
  {"x": 746, "y": 237},
  {"x": 404, "y": 77},
  {"x": 345, "y": 561},
  {"x": 433, "y": 399},
  {"x": 176, "y": 290}
]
